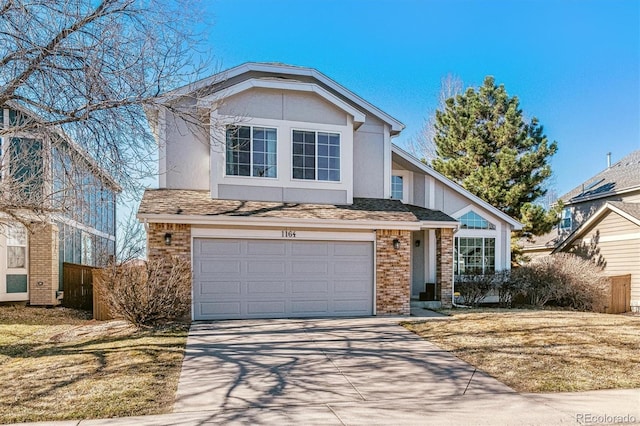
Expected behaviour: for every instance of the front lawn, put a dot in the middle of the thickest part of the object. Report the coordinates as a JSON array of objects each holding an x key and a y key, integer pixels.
[
  {"x": 57, "y": 364},
  {"x": 543, "y": 351}
]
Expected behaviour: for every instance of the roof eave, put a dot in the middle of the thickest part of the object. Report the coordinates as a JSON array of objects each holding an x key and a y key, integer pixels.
[
  {"x": 273, "y": 221},
  {"x": 396, "y": 126}
]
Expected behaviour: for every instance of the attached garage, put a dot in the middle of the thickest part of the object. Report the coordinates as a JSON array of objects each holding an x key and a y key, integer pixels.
[{"x": 264, "y": 278}]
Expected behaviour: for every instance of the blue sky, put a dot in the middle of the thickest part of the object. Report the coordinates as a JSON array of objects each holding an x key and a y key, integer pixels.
[{"x": 575, "y": 65}]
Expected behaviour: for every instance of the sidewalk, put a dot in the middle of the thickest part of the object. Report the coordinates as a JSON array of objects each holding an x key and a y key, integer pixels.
[{"x": 587, "y": 408}]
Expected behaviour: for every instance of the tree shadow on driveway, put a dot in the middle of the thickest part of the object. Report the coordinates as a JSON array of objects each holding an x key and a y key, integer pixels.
[{"x": 237, "y": 365}]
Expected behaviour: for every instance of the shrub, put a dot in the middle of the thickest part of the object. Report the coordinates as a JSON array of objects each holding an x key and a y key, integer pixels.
[
  {"x": 474, "y": 288},
  {"x": 538, "y": 282},
  {"x": 507, "y": 288},
  {"x": 157, "y": 292},
  {"x": 565, "y": 279}
]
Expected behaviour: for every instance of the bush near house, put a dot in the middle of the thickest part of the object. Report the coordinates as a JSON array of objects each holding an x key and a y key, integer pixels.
[
  {"x": 563, "y": 280},
  {"x": 154, "y": 293}
]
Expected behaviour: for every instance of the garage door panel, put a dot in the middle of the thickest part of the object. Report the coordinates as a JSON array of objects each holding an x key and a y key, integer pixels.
[
  {"x": 310, "y": 267},
  {"x": 265, "y": 287},
  {"x": 352, "y": 249},
  {"x": 306, "y": 287},
  {"x": 353, "y": 286},
  {"x": 220, "y": 308},
  {"x": 309, "y": 248},
  {"x": 220, "y": 287},
  {"x": 220, "y": 267},
  {"x": 265, "y": 247},
  {"x": 220, "y": 247},
  {"x": 281, "y": 278},
  {"x": 351, "y": 268},
  {"x": 266, "y": 307},
  {"x": 351, "y": 306},
  {"x": 268, "y": 267},
  {"x": 309, "y": 307}
]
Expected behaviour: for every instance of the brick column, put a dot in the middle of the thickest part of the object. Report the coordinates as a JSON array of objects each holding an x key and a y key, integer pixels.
[
  {"x": 43, "y": 264},
  {"x": 180, "y": 244},
  {"x": 393, "y": 273},
  {"x": 444, "y": 265},
  {"x": 180, "y": 241}
]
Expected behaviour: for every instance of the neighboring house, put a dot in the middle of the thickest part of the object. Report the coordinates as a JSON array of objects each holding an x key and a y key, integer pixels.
[
  {"x": 73, "y": 219},
  {"x": 601, "y": 220},
  {"x": 297, "y": 204}
]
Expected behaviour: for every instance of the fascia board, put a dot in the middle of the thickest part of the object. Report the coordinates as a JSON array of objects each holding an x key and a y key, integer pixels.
[
  {"x": 358, "y": 116},
  {"x": 517, "y": 226},
  {"x": 432, "y": 224},
  {"x": 624, "y": 214},
  {"x": 288, "y": 222}
]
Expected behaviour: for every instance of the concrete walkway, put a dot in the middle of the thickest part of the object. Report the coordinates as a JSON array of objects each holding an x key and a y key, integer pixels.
[{"x": 361, "y": 371}]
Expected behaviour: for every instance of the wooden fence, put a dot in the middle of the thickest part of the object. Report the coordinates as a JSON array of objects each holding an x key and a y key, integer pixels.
[
  {"x": 77, "y": 283},
  {"x": 100, "y": 307},
  {"x": 619, "y": 295}
]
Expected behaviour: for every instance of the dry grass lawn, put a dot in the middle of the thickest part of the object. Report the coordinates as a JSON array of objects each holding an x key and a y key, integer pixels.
[
  {"x": 543, "y": 351},
  {"x": 58, "y": 364}
]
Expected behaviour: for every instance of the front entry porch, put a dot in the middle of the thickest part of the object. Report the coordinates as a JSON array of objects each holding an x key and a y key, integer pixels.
[{"x": 431, "y": 268}]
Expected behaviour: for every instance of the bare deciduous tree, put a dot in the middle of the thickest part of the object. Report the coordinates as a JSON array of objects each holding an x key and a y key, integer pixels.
[
  {"x": 81, "y": 72},
  {"x": 422, "y": 145}
]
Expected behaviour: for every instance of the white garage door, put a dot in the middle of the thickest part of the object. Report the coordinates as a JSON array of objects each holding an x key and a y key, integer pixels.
[{"x": 239, "y": 278}]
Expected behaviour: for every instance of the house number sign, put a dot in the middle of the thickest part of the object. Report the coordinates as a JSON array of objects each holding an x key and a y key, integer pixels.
[{"x": 287, "y": 233}]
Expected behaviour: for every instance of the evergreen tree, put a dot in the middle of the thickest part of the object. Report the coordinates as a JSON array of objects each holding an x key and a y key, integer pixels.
[{"x": 484, "y": 144}]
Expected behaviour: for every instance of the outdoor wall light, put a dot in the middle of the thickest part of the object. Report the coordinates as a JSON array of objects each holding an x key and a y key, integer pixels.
[
  {"x": 417, "y": 243},
  {"x": 396, "y": 243},
  {"x": 167, "y": 239}
]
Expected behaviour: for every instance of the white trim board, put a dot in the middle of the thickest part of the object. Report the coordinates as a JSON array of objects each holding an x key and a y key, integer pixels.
[{"x": 281, "y": 234}]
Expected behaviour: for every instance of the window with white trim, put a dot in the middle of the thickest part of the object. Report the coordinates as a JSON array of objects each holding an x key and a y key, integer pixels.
[
  {"x": 565, "y": 221},
  {"x": 16, "y": 246},
  {"x": 316, "y": 155},
  {"x": 251, "y": 151},
  {"x": 474, "y": 255},
  {"x": 472, "y": 220},
  {"x": 397, "y": 187}
]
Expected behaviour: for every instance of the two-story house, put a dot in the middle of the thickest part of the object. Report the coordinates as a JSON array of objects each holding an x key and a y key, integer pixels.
[
  {"x": 296, "y": 203},
  {"x": 68, "y": 203},
  {"x": 601, "y": 219}
]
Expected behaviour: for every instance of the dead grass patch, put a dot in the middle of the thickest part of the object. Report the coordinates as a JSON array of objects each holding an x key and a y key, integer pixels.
[
  {"x": 57, "y": 364},
  {"x": 543, "y": 351}
]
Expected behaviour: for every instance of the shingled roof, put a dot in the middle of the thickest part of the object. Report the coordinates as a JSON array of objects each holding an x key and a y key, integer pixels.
[
  {"x": 200, "y": 203},
  {"x": 623, "y": 175}
]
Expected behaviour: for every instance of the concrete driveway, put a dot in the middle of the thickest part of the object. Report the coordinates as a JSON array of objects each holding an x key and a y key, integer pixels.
[{"x": 320, "y": 370}]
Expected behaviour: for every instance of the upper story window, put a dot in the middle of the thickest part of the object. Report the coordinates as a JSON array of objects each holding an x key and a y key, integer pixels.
[
  {"x": 472, "y": 220},
  {"x": 316, "y": 155},
  {"x": 397, "y": 187},
  {"x": 565, "y": 221},
  {"x": 251, "y": 151}
]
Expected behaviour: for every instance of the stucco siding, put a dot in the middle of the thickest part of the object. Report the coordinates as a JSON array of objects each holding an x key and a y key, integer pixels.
[
  {"x": 186, "y": 156},
  {"x": 418, "y": 190},
  {"x": 281, "y": 105},
  {"x": 368, "y": 154},
  {"x": 282, "y": 195}
]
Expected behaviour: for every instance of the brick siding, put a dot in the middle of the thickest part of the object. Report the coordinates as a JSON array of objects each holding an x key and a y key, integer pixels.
[
  {"x": 444, "y": 265},
  {"x": 43, "y": 264},
  {"x": 393, "y": 273}
]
